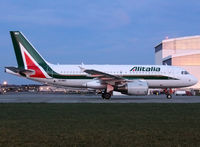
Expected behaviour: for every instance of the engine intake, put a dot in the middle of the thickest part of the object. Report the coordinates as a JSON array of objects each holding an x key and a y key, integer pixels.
[{"x": 137, "y": 87}]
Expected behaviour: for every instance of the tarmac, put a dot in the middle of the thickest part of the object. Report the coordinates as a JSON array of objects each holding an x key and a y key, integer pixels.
[{"x": 74, "y": 98}]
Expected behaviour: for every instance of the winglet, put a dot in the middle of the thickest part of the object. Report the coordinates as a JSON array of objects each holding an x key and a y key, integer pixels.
[{"x": 81, "y": 68}]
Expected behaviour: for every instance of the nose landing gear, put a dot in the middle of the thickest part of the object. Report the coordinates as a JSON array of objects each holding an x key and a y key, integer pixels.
[
  {"x": 169, "y": 96},
  {"x": 168, "y": 92}
]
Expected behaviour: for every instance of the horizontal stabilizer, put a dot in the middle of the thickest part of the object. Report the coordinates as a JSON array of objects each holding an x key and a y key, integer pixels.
[{"x": 22, "y": 72}]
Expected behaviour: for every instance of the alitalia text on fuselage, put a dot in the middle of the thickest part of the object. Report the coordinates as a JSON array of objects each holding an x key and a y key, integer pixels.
[{"x": 142, "y": 68}]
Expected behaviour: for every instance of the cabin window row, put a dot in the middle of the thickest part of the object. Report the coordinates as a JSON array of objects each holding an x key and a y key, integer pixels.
[{"x": 114, "y": 72}]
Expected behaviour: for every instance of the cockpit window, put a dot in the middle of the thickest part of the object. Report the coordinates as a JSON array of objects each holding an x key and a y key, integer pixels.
[{"x": 184, "y": 72}]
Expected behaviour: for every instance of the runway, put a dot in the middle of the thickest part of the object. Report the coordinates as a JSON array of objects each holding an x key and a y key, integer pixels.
[{"x": 63, "y": 98}]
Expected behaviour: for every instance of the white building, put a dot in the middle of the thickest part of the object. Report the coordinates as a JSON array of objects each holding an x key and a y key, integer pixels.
[{"x": 183, "y": 52}]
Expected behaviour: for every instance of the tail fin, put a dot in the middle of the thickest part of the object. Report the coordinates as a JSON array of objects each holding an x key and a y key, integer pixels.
[{"x": 27, "y": 56}]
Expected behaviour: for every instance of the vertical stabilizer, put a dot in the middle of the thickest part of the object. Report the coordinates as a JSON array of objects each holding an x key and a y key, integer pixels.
[{"x": 27, "y": 56}]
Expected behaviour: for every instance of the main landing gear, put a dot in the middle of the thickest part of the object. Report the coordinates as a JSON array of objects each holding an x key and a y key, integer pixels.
[
  {"x": 108, "y": 92},
  {"x": 168, "y": 93},
  {"x": 106, "y": 95}
]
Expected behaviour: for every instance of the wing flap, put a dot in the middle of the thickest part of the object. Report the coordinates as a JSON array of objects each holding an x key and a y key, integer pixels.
[
  {"x": 105, "y": 77},
  {"x": 99, "y": 74}
]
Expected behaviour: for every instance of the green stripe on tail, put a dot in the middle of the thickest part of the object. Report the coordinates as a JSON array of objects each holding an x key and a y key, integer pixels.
[{"x": 17, "y": 50}]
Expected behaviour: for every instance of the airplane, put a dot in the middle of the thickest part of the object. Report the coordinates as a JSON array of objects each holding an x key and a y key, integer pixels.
[{"x": 127, "y": 79}]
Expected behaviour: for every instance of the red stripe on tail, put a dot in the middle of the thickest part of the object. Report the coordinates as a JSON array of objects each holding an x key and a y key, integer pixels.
[{"x": 31, "y": 65}]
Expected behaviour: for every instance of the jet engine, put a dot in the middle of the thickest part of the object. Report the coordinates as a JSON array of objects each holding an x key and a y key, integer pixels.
[{"x": 137, "y": 87}]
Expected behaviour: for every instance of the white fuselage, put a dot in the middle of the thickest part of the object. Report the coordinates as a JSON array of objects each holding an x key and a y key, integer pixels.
[
  {"x": 166, "y": 77},
  {"x": 127, "y": 79}
]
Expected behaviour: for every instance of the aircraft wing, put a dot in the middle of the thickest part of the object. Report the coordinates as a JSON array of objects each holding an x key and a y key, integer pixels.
[{"x": 105, "y": 77}]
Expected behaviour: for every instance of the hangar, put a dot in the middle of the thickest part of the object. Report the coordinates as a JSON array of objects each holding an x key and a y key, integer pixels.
[{"x": 183, "y": 52}]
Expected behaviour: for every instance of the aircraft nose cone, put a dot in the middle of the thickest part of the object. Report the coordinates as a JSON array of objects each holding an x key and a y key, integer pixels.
[{"x": 195, "y": 80}]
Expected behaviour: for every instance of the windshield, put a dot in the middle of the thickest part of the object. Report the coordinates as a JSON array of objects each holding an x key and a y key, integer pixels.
[{"x": 184, "y": 72}]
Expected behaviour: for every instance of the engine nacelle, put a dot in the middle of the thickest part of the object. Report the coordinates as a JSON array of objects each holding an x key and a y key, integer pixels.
[{"x": 137, "y": 87}]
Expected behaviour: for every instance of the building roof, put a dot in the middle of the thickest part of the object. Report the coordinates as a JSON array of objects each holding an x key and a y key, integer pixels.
[
  {"x": 181, "y": 38},
  {"x": 178, "y": 38}
]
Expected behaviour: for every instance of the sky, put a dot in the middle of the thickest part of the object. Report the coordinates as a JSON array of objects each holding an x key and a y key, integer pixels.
[{"x": 94, "y": 32}]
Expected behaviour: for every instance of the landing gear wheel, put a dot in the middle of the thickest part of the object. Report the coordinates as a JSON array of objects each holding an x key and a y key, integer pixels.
[
  {"x": 106, "y": 95},
  {"x": 169, "y": 96}
]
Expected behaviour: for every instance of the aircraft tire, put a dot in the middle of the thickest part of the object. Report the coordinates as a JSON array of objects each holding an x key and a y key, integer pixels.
[
  {"x": 106, "y": 96},
  {"x": 169, "y": 96}
]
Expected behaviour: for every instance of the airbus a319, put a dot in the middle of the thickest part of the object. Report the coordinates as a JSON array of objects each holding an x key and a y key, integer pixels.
[{"x": 127, "y": 79}]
